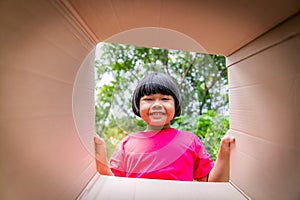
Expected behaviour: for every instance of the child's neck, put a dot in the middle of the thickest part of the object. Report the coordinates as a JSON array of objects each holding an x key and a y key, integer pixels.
[{"x": 156, "y": 128}]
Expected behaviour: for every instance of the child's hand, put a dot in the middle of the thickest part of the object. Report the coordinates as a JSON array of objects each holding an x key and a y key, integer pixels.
[
  {"x": 220, "y": 172},
  {"x": 100, "y": 156},
  {"x": 100, "y": 148},
  {"x": 226, "y": 142}
]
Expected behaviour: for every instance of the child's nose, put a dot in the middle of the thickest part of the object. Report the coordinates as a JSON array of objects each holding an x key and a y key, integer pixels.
[{"x": 156, "y": 104}]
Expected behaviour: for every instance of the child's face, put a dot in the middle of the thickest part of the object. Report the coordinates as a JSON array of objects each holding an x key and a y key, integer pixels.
[{"x": 157, "y": 109}]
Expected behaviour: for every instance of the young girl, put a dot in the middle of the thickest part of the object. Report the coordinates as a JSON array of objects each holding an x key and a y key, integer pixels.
[{"x": 161, "y": 152}]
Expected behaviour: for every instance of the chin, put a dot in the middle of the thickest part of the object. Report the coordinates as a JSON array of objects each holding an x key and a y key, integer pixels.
[{"x": 157, "y": 124}]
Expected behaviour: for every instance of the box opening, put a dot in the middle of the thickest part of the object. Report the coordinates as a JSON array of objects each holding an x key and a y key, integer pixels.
[{"x": 201, "y": 79}]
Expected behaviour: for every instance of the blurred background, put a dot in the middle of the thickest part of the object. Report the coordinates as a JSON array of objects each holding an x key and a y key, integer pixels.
[{"x": 201, "y": 78}]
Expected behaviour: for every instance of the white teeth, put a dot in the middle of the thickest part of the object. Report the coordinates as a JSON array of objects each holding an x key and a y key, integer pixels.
[{"x": 156, "y": 113}]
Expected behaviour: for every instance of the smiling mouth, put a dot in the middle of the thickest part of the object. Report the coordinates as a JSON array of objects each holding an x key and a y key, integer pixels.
[{"x": 156, "y": 114}]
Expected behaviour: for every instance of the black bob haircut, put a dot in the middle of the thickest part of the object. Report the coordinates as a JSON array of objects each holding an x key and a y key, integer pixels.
[{"x": 156, "y": 83}]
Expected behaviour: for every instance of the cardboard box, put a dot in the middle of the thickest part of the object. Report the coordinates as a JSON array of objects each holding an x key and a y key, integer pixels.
[{"x": 47, "y": 109}]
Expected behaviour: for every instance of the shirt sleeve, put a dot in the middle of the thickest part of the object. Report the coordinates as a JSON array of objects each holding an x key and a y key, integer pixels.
[
  {"x": 203, "y": 163},
  {"x": 117, "y": 164}
]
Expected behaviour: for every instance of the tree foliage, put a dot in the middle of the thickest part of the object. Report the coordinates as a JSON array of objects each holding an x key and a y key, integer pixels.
[{"x": 201, "y": 78}]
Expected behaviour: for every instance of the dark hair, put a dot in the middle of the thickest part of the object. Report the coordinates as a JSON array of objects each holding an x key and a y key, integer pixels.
[{"x": 156, "y": 83}]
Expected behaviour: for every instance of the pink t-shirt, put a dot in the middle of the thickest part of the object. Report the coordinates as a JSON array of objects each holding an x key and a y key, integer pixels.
[{"x": 167, "y": 154}]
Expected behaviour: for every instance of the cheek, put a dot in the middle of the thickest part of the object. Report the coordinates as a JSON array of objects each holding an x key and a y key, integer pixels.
[
  {"x": 144, "y": 112},
  {"x": 171, "y": 116},
  {"x": 171, "y": 109},
  {"x": 145, "y": 117}
]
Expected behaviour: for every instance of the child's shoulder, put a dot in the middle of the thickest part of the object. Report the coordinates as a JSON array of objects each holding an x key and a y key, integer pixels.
[
  {"x": 190, "y": 139},
  {"x": 185, "y": 133}
]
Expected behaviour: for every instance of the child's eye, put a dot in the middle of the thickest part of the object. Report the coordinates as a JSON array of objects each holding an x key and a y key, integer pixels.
[{"x": 165, "y": 99}]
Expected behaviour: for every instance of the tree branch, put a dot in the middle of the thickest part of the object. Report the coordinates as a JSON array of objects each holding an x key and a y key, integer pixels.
[{"x": 186, "y": 72}]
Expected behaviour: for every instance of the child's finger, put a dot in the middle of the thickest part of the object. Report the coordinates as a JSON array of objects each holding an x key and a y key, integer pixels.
[
  {"x": 100, "y": 149},
  {"x": 98, "y": 140},
  {"x": 227, "y": 139}
]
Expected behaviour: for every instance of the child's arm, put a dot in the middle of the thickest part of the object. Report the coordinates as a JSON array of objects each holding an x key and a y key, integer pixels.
[
  {"x": 220, "y": 171},
  {"x": 100, "y": 156}
]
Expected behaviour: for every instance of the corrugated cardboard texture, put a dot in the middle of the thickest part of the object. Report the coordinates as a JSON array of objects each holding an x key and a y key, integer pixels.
[
  {"x": 264, "y": 101},
  {"x": 41, "y": 154},
  {"x": 157, "y": 37},
  {"x": 104, "y": 187},
  {"x": 220, "y": 27},
  {"x": 45, "y": 147}
]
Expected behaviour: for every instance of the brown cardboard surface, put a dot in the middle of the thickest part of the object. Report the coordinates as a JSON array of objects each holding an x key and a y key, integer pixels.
[
  {"x": 263, "y": 93},
  {"x": 157, "y": 37},
  {"x": 46, "y": 105},
  {"x": 104, "y": 187},
  {"x": 83, "y": 102},
  {"x": 237, "y": 22},
  {"x": 41, "y": 154},
  {"x": 288, "y": 29},
  {"x": 264, "y": 170},
  {"x": 277, "y": 64},
  {"x": 264, "y": 118}
]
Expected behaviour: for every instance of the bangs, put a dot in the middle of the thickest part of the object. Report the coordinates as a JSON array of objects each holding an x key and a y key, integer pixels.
[{"x": 154, "y": 88}]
